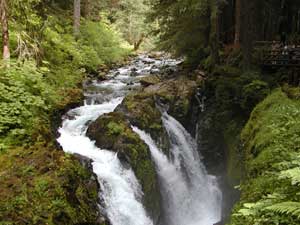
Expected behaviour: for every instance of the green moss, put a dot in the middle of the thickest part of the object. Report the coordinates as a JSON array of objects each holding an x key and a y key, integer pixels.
[
  {"x": 226, "y": 71},
  {"x": 141, "y": 110},
  {"x": 131, "y": 149},
  {"x": 114, "y": 128},
  {"x": 232, "y": 95},
  {"x": 40, "y": 185},
  {"x": 271, "y": 145},
  {"x": 234, "y": 163}
]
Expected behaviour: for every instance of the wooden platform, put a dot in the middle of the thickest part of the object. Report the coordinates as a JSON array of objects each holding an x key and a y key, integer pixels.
[{"x": 274, "y": 55}]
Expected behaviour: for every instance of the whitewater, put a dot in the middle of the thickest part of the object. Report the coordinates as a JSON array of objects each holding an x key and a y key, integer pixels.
[{"x": 190, "y": 195}]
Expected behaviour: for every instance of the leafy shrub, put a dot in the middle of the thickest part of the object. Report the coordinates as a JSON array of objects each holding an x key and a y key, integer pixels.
[
  {"x": 24, "y": 94},
  {"x": 104, "y": 42}
]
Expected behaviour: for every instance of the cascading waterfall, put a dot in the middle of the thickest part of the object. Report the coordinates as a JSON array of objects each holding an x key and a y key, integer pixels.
[
  {"x": 121, "y": 191},
  {"x": 191, "y": 196}
]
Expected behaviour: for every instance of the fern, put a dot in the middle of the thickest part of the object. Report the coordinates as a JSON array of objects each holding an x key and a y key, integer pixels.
[
  {"x": 293, "y": 174},
  {"x": 287, "y": 208}
]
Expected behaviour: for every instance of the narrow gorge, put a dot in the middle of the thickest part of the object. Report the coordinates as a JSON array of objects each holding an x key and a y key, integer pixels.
[{"x": 150, "y": 169}]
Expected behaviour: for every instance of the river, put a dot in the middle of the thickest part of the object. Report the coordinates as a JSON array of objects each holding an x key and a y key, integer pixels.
[{"x": 190, "y": 195}]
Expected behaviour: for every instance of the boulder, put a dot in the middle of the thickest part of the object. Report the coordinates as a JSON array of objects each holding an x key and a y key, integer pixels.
[
  {"x": 113, "y": 132},
  {"x": 149, "y": 80}
]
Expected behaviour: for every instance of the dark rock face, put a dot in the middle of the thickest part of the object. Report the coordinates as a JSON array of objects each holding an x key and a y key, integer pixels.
[
  {"x": 92, "y": 184},
  {"x": 218, "y": 142}
]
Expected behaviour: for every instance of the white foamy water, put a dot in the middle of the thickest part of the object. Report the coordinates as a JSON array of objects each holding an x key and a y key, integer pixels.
[
  {"x": 121, "y": 191},
  {"x": 191, "y": 196}
]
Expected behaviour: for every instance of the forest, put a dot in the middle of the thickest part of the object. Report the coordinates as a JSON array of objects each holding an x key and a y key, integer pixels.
[{"x": 103, "y": 102}]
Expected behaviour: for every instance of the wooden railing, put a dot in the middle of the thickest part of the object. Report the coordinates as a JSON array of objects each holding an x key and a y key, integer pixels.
[{"x": 275, "y": 55}]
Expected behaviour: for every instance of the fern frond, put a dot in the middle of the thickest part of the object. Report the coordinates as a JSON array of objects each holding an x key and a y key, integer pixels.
[
  {"x": 287, "y": 208},
  {"x": 293, "y": 174}
]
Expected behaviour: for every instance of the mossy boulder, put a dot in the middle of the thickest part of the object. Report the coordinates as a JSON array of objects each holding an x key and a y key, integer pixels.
[
  {"x": 41, "y": 185},
  {"x": 113, "y": 132},
  {"x": 150, "y": 80},
  {"x": 176, "y": 94},
  {"x": 140, "y": 109},
  {"x": 271, "y": 144}
]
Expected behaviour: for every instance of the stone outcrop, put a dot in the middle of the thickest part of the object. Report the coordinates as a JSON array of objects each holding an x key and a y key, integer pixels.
[
  {"x": 144, "y": 109},
  {"x": 113, "y": 132}
]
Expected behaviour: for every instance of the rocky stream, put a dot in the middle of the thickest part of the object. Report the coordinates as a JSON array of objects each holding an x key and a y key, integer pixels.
[{"x": 134, "y": 126}]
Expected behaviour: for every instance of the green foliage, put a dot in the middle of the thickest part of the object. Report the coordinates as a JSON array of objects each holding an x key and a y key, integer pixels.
[
  {"x": 24, "y": 94},
  {"x": 292, "y": 174},
  {"x": 100, "y": 44},
  {"x": 236, "y": 92},
  {"x": 270, "y": 191},
  {"x": 253, "y": 93},
  {"x": 48, "y": 65},
  {"x": 129, "y": 18},
  {"x": 52, "y": 190},
  {"x": 287, "y": 208},
  {"x": 183, "y": 26}
]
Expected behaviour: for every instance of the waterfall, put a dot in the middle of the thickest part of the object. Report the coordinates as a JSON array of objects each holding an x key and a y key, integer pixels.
[
  {"x": 121, "y": 191},
  {"x": 191, "y": 196}
]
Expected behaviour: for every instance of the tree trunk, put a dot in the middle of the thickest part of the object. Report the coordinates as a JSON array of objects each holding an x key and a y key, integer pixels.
[
  {"x": 5, "y": 32},
  {"x": 87, "y": 9},
  {"x": 248, "y": 8},
  {"x": 237, "y": 35},
  {"x": 76, "y": 18},
  {"x": 215, "y": 32},
  {"x": 139, "y": 42}
]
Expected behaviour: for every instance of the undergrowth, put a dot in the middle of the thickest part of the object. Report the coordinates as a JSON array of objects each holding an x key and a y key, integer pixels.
[
  {"x": 270, "y": 190},
  {"x": 34, "y": 86}
]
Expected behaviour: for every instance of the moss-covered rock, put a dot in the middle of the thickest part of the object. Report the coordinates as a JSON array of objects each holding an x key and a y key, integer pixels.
[
  {"x": 142, "y": 108},
  {"x": 150, "y": 80},
  {"x": 113, "y": 132},
  {"x": 176, "y": 94},
  {"x": 40, "y": 185},
  {"x": 271, "y": 144},
  {"x": 230, "y": 96}
]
